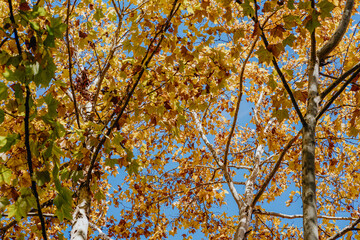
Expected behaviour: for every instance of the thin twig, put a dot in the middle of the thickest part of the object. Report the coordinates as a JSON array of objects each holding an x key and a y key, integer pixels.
[
  {"x": 227, "y": 148},
  {"x": 144, "y": 64},
  {"x": 274, "y": 170},
  {"x": 334, "y": 97},
  {"x": 283, "y": 80},
  {"x": 339, "y": 80},
  {"x": 70, "y": 66}
]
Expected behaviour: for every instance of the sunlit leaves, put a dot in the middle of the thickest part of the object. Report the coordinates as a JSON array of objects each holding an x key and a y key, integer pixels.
[
  {"x": 5, "y": 175},
  {"x": 63, "y": 203},
  {"x": 325, "y": 8},
  {"x": 264, "y": 55},
  {"x": 23, "y": 204}
]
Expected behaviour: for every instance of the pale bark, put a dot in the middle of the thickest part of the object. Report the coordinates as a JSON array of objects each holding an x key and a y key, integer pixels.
[
  {"x": 335, "y": 39},
  {"x": 294, "y": 216},
  {"x": 80, "y": 225},
  {"x": 308, "y": 147}
]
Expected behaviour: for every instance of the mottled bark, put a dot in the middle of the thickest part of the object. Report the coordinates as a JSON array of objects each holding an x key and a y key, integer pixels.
[
  {"x": 80, "y": 226},
  {"x": 308, "y": 146}
]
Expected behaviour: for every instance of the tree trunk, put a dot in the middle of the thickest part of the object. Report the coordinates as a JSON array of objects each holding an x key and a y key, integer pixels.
[
  {"x": 308, "y": 149},
  {"x": 80, "y": 225}
]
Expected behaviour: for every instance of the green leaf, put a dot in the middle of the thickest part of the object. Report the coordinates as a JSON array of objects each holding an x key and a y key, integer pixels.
[
  {"x": 11, "y": 139},
  {"x": 5, "y": 174},
  {"x": 50, "y": 41},
  {"x": 42, "y": 177},
  {"x": 98, "y": 14},
  {"x": 290, "y": 4},
  {"x": 22, "y": 205},
  {"x": 3, "y": 91},
  {"x": 281, "y": 114},
  {"x": 133, "y": 167},
  {"x": 264, "y": 55},
  {"x": 111, "y": 162},
  {"x": 4, "y": 57},
  {"x": 2, "y": 115},
  {"x": 57, "y": 27},
  {"x": 247, "y": 9},
  {"x": 63, "y": 203},
  {"x": 289, "y": 40},
  {"x": 325, "y": 8},
  {"x": 35, "y": 26},
  {"x": 312, "y": 22},
  {"x": 18, "y": 75},
  {"x": 39, "y": 11},
  {"x": 271, "y": 83},
  {"x": 52, "y": 104},
  {"x": 4, "y": 201},
  {"x": 99, "y": 195}
]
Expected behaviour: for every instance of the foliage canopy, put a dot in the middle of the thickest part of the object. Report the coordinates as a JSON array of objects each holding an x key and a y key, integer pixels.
[{"x": 161, "y": 108}]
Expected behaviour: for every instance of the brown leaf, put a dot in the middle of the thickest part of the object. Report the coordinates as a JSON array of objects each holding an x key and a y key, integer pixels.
[
  {"x": 354, "y": 88},
  {"x": 24, "y": 6},
  {"x": 82, "y": 34}
]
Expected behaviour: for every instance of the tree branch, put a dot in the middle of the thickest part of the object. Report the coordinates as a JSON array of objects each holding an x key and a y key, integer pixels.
[
  {"x": 333, "y": 98},
  {"x": 283, "y": 80},
  {"x": 70, "y": 65},
  {"x": 339, "y": 80},
  {"x": 101, "y": 233},
  {"x": 275, "y": 214},
  {"x": 226, "y": 174},
  {"x": 274, "y": 170},
  {"x": 27, "y": 130},
  {"x": 238, "y": 101},
  {"x": 144, "y": 64},
  {"x": 107, "y": 62},
  {"x": 345, "y": 230},
  {"x": 339, "y": 32}
]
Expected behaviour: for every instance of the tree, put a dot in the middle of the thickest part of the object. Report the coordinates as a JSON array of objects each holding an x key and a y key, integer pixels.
[{"x": 151, "y": 93}]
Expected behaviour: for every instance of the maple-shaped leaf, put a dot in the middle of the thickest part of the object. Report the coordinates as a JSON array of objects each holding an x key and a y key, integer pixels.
[
  {"x": 268, "y": 6},
  {"x": 277, "y": 31},
  {"x": 281, "y": 114},
  {"x": 289, "y": 41},
  {"x": 325, "y": 8},
  {"x": 275, "y": 49},
  {"x": 311, "y": 22},
  {"x": 5, "y": 175},
  {"x": 264, "y": 55}
]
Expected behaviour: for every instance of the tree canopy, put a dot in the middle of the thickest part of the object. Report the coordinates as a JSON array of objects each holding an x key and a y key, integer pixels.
[{"x": 143, "y": 119}]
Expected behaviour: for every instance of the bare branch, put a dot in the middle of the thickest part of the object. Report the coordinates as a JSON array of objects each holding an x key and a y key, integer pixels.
[
  {"x": 233, "y": 166},
  {"x": 275, "y": 169},
  {"x": 206, "y": 141},
  {"x": 339, "y": 32},
  {"x": 339, "y": 80},
  {"x": 345, "y": 230},
  {"x": 101, "y": 233},
  {"x": 107, "y": 62},
  {"x": 283, "y": 80},
  {"x": 218, "y": 161},
  {"x": 70, "y": 65},
  {"x": 275, "y": 214},
  {"x": 238, "y": 101},
  {"x": 144, "y": 64},
  {"x": 334, "y": 97}
]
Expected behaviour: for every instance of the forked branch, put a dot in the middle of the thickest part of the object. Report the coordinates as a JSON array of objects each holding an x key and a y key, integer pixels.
[{"x": 335, "y": 39}]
